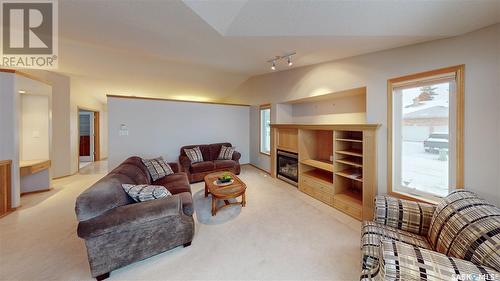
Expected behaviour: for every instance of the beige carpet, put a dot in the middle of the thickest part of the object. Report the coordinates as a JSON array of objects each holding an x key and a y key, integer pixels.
[{"x": 280, "y": 234}]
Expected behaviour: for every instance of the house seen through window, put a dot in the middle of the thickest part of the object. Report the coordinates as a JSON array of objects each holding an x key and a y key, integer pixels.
[{"x": 424, "y": 136}]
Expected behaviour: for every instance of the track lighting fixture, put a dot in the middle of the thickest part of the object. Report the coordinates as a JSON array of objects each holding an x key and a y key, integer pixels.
[{"x": 278, "y": 58}]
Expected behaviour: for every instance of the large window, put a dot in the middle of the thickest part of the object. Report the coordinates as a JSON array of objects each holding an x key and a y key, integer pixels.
[
  {"x": 265, "y": 129},
  {"x": 425, "y": 133}
]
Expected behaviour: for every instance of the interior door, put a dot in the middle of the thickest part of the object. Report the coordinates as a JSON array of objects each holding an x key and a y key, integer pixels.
[{"x": 86, "y": 131}]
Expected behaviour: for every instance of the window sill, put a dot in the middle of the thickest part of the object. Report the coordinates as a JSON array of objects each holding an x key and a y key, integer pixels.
[
  {"x": 412, "y": 197},
  {"x": 265, "y": 153}
]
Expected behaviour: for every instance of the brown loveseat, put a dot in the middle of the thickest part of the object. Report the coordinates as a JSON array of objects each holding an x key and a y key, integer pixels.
[
  {"x": 197, "y": 171},
  {"x": 117, "y": 231}
]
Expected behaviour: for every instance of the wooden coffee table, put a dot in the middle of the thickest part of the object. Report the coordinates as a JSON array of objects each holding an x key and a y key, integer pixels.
[{"x": 224, "y": 192}]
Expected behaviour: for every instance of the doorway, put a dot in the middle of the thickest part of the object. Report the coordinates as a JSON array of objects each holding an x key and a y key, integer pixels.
[{"x": 88, "y": 137}]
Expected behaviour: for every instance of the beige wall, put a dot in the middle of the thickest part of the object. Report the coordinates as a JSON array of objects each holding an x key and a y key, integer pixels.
[
  {"x": 155, "y": 129},
  {"x": 479, "y": 51}
]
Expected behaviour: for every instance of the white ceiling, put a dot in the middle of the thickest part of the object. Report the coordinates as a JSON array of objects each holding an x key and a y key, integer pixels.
[
  {"x": 205, "y": 49},
  {"x": 345, "y": 18}
]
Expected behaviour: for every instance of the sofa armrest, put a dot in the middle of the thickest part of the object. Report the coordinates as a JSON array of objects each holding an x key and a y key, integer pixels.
[
  {"x": 401, "y": 261},
  {"x": 185, "y": 163},
  {"x": 120, "y": 218},
  {"x": 414, "y": 217},
  {"x": 236, "y": 156},
  {"x": 174, "y": 166}
]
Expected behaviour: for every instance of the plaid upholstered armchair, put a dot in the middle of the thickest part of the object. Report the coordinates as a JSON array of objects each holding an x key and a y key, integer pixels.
[{"x": 458, "y": 239}]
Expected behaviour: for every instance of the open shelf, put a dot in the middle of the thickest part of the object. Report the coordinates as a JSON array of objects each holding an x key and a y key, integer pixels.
[
  {"x": 320, "y": 164},
  {"x": 352, "y": 161},
  {"x": 350, "y": 197},
  {"x": 349, "y": 202},
  {"x": 352, "y": 152},
  {"x": 321, "y": 175},
  {"x": 353, "y": 174},
  {"x": 348, "y": 140}
]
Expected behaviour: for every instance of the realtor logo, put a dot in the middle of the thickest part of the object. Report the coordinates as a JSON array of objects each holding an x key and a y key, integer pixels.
[{"x": 29, "y": 34}]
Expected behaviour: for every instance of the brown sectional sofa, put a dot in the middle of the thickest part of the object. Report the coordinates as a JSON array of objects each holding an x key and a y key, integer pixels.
[
  {"x": 117, "y": 231},
  {"x": 197, "y": 171}
]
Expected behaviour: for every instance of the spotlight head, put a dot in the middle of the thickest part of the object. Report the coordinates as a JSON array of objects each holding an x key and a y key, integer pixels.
[{"x": 273, "y": 66}]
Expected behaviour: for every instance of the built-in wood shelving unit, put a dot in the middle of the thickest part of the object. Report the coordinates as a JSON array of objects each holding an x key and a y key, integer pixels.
[
  {"x": 349, "y": 171},
  {"x": 337, "y": 163}
]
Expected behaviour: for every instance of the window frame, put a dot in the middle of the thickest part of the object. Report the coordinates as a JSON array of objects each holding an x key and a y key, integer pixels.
[
  {"x": 459, "y": 130},
  {"x": 263, "y": 107}
]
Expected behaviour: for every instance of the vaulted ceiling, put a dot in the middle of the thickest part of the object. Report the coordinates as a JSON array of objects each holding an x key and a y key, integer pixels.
[{"x": 202, "y": 50}]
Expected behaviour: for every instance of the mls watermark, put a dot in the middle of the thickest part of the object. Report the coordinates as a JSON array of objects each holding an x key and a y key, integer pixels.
[
  {"x": 475, "y": 277},
  {"x": 29, "y": 34}
]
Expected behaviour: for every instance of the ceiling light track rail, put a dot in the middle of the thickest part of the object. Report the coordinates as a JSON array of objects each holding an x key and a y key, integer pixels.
[{"x": 276, "y": 59}]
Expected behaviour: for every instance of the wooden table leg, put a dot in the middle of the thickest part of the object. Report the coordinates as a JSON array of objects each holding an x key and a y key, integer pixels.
[
  {"x": 214, "y": 206},
  {"x": 243, "y": 200}
]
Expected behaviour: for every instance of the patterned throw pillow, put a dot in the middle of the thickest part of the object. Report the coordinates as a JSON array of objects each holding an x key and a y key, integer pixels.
[
  {"x": 226, "y": 153},
  {"x": 194, "y": 154},
  {"x": 145, "y": 192},
  {"x": 157, "y": 168}
]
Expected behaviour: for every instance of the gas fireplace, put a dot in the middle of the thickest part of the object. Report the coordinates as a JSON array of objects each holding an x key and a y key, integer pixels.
[{"x": 287, "y": 166}]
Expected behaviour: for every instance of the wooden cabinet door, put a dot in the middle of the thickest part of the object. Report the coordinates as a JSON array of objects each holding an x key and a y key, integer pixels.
[{"x": 288, "y": 140}]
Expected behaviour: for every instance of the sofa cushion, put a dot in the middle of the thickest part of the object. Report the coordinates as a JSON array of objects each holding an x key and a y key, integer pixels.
[
  {"x": 223, "y": 164},
  {"x": 372, "y": 233},
  {"x": 467, "y": 227},
  {"x": 201, "y": 167},
  {"x": 157, "y": 168},
  {"x": 194, "y": 154},
  {"x": 226, "y": 153},
  {"x": 133, "y": 173},
  {"x": 403, "y": 214},
  {"x": 124, "y": 218},
  {"x": 140, "y": 172},
  {"x": 145, "y": 192},
  {"x": 175, "y": 183},
  {"x": 215, "y": 148}
]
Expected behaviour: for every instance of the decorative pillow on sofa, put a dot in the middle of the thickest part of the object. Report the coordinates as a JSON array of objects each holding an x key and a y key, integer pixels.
[
  {"x": 157, "y": 168},
  {"x": 145, "y": 192},
  {"x": 194, "y": 154},
  {"x": 226, "y": 153}
]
